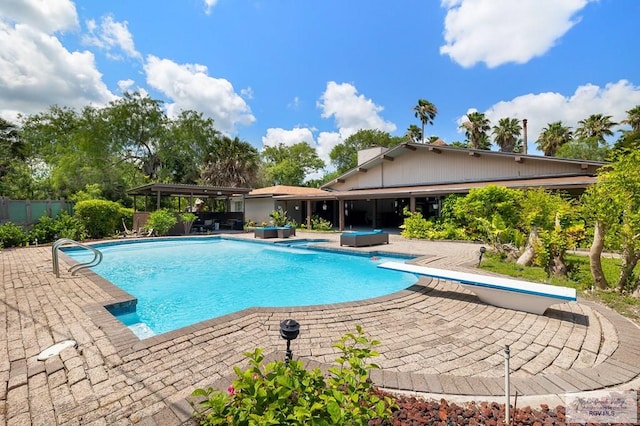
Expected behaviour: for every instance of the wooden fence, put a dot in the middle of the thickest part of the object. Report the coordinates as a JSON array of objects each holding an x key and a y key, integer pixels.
[{"x": 27, "y": 212}]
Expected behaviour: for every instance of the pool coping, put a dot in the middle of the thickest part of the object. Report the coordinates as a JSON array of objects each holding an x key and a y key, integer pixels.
[{"x": 126, "y": 342}]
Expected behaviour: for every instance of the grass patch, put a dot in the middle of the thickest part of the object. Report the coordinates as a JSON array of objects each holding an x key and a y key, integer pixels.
[{"x": 578, "y": 277}]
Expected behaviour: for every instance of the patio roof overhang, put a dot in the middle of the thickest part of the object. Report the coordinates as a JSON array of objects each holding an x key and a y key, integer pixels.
[{"x": 172, "y": 189}]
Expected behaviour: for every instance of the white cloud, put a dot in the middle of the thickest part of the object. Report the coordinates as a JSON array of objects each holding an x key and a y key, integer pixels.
[
  {"x": 351, "y": 111},
  {"x": 247, "y": 93},
  {"x": 208, "y": 5},
  {"x": 111, "y": 36},
  {"x": 276, "y": 136},
  {"x": 326, "y": 142},
  {"x": 46, "y": 15},
  {"x": 125, "y": 85},
  {"x": 294, "y": 104},
  {"x": 36, "y": 71},
  {"x": 543, "y": 108},
  {"x": 189, "y": 86},
  {"x": 501, "y": 31}
]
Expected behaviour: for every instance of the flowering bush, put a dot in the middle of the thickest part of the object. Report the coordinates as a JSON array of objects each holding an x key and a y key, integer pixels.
[{"x": 285, "y": 393}]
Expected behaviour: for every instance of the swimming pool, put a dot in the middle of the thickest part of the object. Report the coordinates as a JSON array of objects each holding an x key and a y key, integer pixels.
[{"x": 179, "y": 282}]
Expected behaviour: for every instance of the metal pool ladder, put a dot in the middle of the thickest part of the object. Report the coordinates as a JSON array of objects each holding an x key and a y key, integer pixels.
[{"x": 97, "y": 256}]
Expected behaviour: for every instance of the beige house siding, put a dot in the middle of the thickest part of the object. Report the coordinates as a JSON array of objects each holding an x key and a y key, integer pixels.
[
  {"x": 258, "y": 209},
  {"x": 424, "y": 167}
]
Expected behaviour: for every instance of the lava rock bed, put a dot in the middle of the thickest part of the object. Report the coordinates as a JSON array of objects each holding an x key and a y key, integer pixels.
[{"x": 418, "y": 412}]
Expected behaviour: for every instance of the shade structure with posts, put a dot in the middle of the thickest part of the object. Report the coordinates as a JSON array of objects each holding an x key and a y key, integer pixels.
[{"x": 289, "y": 330}]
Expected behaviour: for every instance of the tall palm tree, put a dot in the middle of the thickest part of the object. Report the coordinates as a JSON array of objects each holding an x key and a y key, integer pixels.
[
  {"x": 476, "y": 128},
  {"x": 232, "y": 163},
  {"x": 506, "y": 134},
  {"x": 633, "y": 118},
  {"x": 425, "y": 111},
  {"x": 553, "y": 137},
  {"x": 595, "y": 128},
  {"x": 414, "y": 133}
]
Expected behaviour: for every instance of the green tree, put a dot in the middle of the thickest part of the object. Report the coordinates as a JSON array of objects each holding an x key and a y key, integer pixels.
[
  {"x": 191, "y": 138},
  {"x": 595, "y": 128},
  {"x": 589, "y": 142},
  {"x": 629, "y": 141},
  {"x": 414, "y": 133},
  {"x": 289, "y": 165},
  {"x": 232, "y": 163},
  {"x": 137, "y": 130},
  {"x": 12, "y": 153},
  {"x": 553, "y": 137},
  {"x": 426, "y": 112},
  {"x": 485, "y": 206},
  {"x": 506, "y": 134},
  {"x": 618, "y": 195},
  {"x": 475, "y": 128},
  {"x": 633, "y": 118},
  {"x": 546, "y": 217},
  {"x": 583, "y": 150},
  {"x": 344, "y": 156}
]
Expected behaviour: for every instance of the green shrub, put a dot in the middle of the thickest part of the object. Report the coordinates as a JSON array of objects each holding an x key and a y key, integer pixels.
[
  {"x": 63, "y": 226},
  {"x": 187, "y": 221},
  {"x": 44, "y": 231},
  {"x": 68, "y": 226},
  {"x": 320, "y": 224},
  {"x": 281, "y": 393},
  {"x": 12, "y": 235},
  {"x": 161, "y": 221},
  {"x": 415, "y": 226},
  {"x": 99, "y": 217},
  {"x": 278, "y": 217}
]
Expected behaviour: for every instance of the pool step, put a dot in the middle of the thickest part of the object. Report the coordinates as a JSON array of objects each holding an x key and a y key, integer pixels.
[{"x": 141, "y": 330}]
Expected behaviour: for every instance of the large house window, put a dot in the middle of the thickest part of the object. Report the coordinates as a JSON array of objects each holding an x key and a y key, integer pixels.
[{"x": 237, "y": 206}]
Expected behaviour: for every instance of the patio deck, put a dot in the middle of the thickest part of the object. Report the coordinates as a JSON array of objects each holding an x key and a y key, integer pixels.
[{"x": 436, "y": 338}]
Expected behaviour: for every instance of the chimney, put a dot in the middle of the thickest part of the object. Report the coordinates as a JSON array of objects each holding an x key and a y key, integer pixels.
[{"x": 524, "y": 138}]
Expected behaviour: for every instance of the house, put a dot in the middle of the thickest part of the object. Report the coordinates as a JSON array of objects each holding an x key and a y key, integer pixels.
[
  {"x": 420, "y": 176},
  {"x": 259, "y": 203}
]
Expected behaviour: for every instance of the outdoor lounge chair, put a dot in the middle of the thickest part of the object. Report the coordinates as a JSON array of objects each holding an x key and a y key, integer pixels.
[
  {"x": 265, "y": 232},
  {"x": 127, "y": 232},
  {"x": 364, "y": 238}
]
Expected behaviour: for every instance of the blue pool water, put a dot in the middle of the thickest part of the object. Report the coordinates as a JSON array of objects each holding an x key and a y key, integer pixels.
[{"x": 184, "y": 281}]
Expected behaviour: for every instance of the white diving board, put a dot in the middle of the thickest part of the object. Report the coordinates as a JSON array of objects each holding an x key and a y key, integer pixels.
[{"x": 503, "y": 292}]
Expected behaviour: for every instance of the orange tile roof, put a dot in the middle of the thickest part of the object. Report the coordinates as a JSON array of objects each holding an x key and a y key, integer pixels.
[{"x": 286, "y": 190}]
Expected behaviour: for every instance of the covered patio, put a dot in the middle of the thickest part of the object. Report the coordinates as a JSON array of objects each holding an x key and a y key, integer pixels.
[
  {"x": 208, "y": 213},
  {"x": 383, "y": 207}
]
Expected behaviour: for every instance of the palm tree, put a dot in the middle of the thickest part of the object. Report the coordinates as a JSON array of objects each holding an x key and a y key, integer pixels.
[
  {"x": 476, "y": 128},
  {"x": 425, "y": 111},
  {"x": 633, "y": 118},
  {"x": 594, "y": 129},
  {"x": 414, "y": 133},
  {"x": 232, "y": 163},
  {"x": 506, "y": 134},
  {"x": 553, "y": 137}
]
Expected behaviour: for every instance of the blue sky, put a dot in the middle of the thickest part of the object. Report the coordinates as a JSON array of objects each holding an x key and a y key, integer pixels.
[{"x": 288, "y": 71}]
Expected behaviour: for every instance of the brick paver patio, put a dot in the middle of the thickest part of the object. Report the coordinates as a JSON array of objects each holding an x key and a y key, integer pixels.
[{"x": 436, "y": 338}]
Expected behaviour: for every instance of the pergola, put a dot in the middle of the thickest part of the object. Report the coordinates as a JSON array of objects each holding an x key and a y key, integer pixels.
[{"x": 182, "y": 190}]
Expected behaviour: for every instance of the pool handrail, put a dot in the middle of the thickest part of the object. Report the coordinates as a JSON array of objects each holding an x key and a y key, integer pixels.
[{"x": 97, "y": 256}]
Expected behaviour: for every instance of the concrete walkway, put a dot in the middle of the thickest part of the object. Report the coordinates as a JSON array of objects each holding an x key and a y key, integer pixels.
[{"x": 436, "y": 339}]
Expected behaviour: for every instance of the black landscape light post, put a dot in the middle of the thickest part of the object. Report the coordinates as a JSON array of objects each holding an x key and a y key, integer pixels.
[
  {"x": 289, "y": 330},
  {"x": 482, "y": 250}
]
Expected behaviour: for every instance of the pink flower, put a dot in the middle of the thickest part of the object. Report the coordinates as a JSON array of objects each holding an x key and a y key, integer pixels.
[
  {"x": 255, "y": 376},
  {"x": 231, "y": 390}
]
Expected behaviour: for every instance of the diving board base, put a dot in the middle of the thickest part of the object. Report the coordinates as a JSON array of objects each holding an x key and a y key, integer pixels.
[{"x": 497, "y": 291}]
